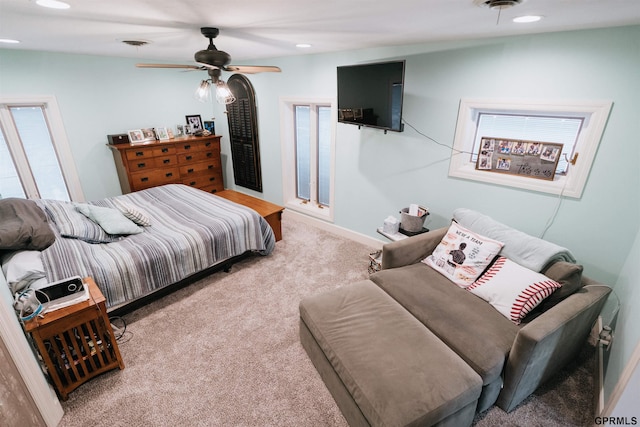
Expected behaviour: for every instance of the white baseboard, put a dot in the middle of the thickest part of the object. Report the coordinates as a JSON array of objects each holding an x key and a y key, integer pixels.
[{"x": 335, "y": 229}]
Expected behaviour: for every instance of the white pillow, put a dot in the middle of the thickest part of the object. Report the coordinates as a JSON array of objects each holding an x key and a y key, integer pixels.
[
  {"x": 22, "y": 269},
  {"x": 463, "y": 255},
  {"x": 512, "y": 289}
]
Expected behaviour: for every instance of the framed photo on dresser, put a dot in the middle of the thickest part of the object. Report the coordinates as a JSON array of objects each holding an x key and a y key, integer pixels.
[{"x": 194, "y": 122}]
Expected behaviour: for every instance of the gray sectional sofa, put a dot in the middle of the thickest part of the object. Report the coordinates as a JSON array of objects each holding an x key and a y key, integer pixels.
[{"x": 410, "y": 347}]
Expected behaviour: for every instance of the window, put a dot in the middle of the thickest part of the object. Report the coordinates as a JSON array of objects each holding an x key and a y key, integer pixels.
[
  {"x": 576, "y": 125},
  {"x": 34, "y": 155},
  {"x": 307, "y": 146}
]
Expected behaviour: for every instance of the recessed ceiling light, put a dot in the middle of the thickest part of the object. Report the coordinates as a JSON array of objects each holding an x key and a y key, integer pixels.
[
  {"x": 9, "y": 41},
  {"x": 303, "y": 45},
  {"x": 53, "y": 4},
  {"x": 527, "y": 19}
]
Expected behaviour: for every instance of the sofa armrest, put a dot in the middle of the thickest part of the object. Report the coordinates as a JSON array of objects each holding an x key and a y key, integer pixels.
[
  {"x": 549, "y": 342},
  {"x": 412, "y": 249}
]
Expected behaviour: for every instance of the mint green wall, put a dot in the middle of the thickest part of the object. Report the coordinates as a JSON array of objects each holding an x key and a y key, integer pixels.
[
  {"x": 377, "y": 173},
  {"x": 98, "y": 96},
  {"x": 627, "y": 333}
]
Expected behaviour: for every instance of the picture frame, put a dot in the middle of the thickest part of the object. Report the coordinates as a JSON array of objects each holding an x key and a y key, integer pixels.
[
  {"x": 162, "y": 134},
  {"x": 210, "y": 126},
  {"x": 149, "y": 134},
  {"x": 194, "y": 122},
  {"x": 531, "y": 159},
  {"x": 135, "y": 136}
]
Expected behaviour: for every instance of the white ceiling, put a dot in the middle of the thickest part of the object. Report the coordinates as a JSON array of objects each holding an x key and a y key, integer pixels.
[{"x": 271, "y": 28}]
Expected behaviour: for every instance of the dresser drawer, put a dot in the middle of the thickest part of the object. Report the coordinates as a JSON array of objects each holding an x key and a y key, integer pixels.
[
  {"x": 154, "y": 177},
  {"x": 190, "y": 146},
  {"x": 213, "y": 188},
  {"x": 153, "y": 162},
  {"x": 196, "y": 156},
  {"x": 201, "y": 167},
  {"x": 140, "y": 153},
  {"x": 147, "y": 152},
  {"x": 204, "y": 180}
]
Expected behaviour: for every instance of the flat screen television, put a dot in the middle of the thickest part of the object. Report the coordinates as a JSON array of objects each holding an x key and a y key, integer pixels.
[{"x": 371, "y": 95}]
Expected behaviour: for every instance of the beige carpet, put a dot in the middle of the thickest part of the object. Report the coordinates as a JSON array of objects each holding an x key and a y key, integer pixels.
[{"x": 224, "y": 351}]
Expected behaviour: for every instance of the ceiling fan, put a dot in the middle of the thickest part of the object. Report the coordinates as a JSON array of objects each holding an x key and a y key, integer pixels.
[{"x": 214, "y": 61}]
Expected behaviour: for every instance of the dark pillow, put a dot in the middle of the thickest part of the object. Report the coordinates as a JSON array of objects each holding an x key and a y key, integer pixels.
[
  {"x": 23, "y": 225},
  {"x": 568, "y": 275}
]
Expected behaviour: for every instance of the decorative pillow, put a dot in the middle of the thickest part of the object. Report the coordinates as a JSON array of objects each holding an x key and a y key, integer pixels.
[
  {"x": 511, "y": 289},
  {"x": 24, "y": 226},
  {"x": 568, "y": 275},
  {"x": 463, "y": 255},
  {"x": 73, "y": 224},
  {"x": 111, "y": 220},
  {"x": 134, "y": 214}
]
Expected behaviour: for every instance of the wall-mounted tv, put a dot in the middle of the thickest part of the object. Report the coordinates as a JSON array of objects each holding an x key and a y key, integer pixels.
[{"x": 371, "y": 94}]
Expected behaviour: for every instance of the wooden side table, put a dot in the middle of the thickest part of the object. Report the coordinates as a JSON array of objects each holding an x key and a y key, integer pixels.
[
  {"x": 269, "y": 211},
  {"x": 76, "y": 342}
]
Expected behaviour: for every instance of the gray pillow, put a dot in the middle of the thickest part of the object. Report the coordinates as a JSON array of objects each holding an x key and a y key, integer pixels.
[
  {"x": 23, "y": 225},
  {"x": 568, "y": 275},
  {"x": 72, "y": 224}
]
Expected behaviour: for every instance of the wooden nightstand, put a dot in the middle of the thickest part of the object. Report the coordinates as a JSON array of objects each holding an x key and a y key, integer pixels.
[{"x": 76, "y": 342}]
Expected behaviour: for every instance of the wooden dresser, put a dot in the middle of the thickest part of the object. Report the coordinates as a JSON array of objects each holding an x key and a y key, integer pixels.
[{"x": 192, "y": 160}]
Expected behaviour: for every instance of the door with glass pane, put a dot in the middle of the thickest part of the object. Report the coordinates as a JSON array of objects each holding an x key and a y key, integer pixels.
[
  {"x": 313, "y": 153},
  {"x": 29, "y": 162}
]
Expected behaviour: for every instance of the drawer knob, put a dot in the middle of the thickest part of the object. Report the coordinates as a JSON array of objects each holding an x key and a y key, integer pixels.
[
  {"x": 141, "y": 165},
  {"x": 210, "y": 167},
  {"x": 213, "y": 178},
  {"x": 209, "y": 154},
  {"x": 192, "y": 183},
  {"x": 189, "y": 157},
  {"x": 168, "y": 174},
  {"x": 144, "y": 179},
  {"x": 165, "y": 150},
  {"x": 213, "y": 191},
  {"x": 207, "y": 144},
  {"x": 187, "y": 147},
  {"x": 190, "y": 171},
  {"x": 139, "y": 153},
  {"x": 166, "y": 161}
]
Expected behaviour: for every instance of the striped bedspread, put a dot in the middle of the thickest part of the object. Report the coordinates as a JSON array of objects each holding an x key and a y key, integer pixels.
[{"x": 190, "y": 230}]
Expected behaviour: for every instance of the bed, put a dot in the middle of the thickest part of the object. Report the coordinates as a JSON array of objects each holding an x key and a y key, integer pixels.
[{"x": 135, "y": 244}]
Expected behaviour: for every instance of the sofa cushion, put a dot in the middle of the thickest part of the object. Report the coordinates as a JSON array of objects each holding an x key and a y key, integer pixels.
[
  {"x": 511, "y": 289},
  {"x": 466, "y": 323},
  {"x": 463, "y": 255}
]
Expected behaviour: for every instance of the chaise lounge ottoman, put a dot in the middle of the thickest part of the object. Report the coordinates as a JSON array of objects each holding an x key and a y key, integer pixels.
[{"x": 382, "y": 366}]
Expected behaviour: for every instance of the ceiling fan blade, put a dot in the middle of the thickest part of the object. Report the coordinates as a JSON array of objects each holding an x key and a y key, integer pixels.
[
  {"x": 193, "y": 67},
  {"x": 252, "y": 69}
]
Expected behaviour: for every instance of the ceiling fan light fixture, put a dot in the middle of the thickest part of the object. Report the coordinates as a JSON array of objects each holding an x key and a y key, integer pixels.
[
  {"x": 223, "y": 93},
  {"x": 203, "y": 92}
]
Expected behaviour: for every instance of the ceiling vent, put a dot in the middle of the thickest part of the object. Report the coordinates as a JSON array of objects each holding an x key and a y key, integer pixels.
[
  {"x": 498, "y": 4},
  {"x": 136, "y": 43}
]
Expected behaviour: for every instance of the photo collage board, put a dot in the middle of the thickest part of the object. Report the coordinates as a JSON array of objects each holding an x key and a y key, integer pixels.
[{"x": 534, "y": 159}]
